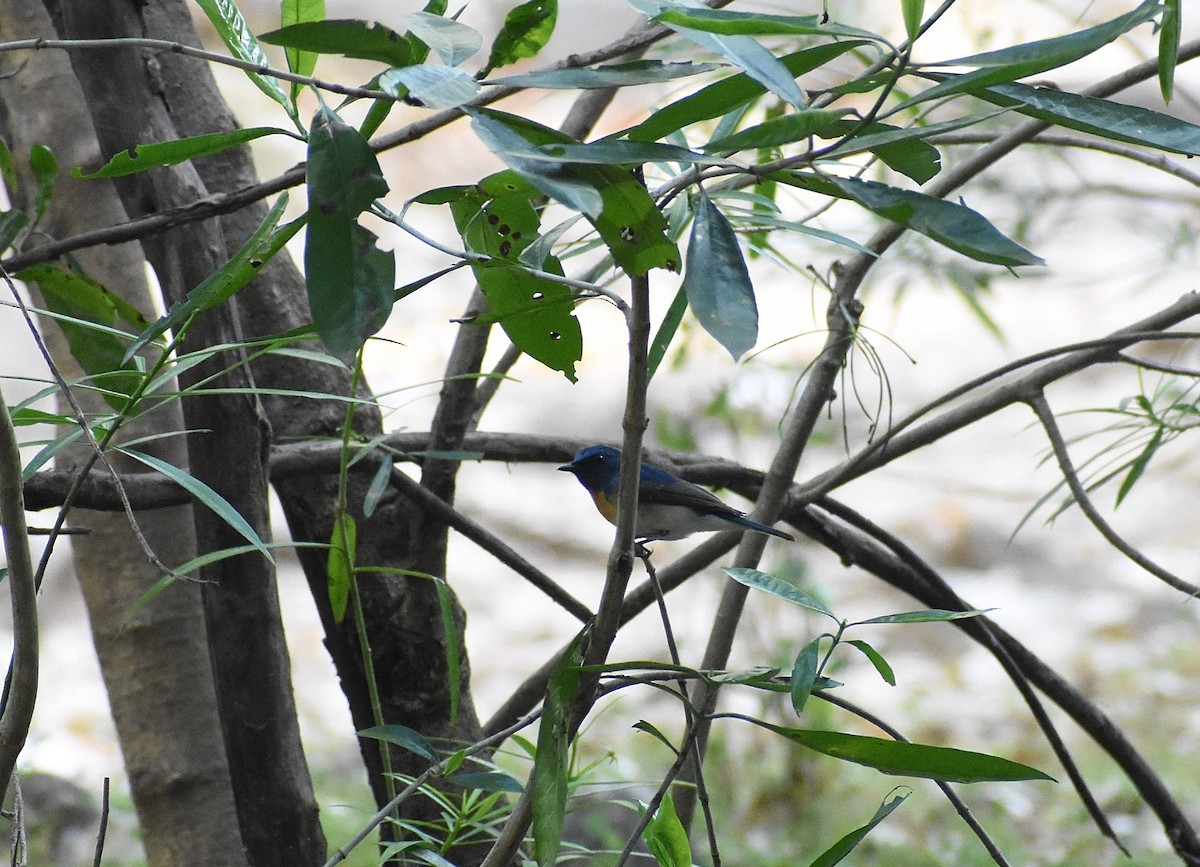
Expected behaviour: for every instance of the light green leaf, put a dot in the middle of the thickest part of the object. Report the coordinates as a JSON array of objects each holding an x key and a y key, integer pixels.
[
  {"x": 45, "y": 172},
  {"x": 717, "y": 281},
  {"x": 913, "y": 11},
  {"x": 339, "y": 565},
  {"x": 436, "y": 87},
  {"x": 756, "y": 580},
  {"x": 1168, "y": 46},
  {"x": 452, "y": 41},
  {"x": 614, "y": 75},
  {"x": 206, "y": 495},
  {"x": 1139, "y": 464},
  {"x": 932, "y": 615},
  {"x": 666, "y": 838},
  {"x": 141, "y": 157},
  {"x": 779, "y": 131},
  {"x": 300, "y": 12},
  {"x": 550, "y": 765},
  {"x": 453, "y": 641},
  {"x": 527, "y": 28},
  {"x": 227, "y": 19},
  {"x": 843, "y": 847}
]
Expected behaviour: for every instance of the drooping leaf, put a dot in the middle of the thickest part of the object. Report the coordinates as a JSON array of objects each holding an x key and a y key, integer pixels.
[
  {"x": 351, "y": 282},
  {"x": 45, "y": 173},
  {"x": 950, "y": 224},
  {"x": 206, "y": 495},
  {"x": 550, "y": 765},
  {"x": 783, "y": 130},
  {"x": 1138, "y": 465},
  {"x": 12, "y": 222},
  {"x": 436, "y": 87},
  {"x": 339, "y": 566},
  {"x": 666, "y": 332},
  {"x": 613, "y": 75},
  {"x": 401, "y": 736},
  {"x": 453, "y": 42},
  {"x": 227, "y": 19},
  {"x": 756, "y": 580},
  {"x": 300, "y": 12},
  {"x": 364, "y": 40},
  {"x": 804, "y": 673},
  {"x": 718, "y": 283},
  {"x": 1170, "y": 30},
  {"x": 721, "y": 97},
  {"x": 527, "y": 28},
  {"x": 1032, "y": 58},
  {"x": 843, "y": 847},
  {"x": 881, "y": 665},
  {"x": 141, "y": 157},
  {"x": 666, "y": 837}
]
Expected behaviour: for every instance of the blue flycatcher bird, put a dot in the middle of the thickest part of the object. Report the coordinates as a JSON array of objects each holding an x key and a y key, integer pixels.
[{"x": 668, "y": 507}]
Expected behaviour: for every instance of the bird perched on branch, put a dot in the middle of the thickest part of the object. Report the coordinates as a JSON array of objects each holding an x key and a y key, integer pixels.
[{"x": 668, "y": 507}]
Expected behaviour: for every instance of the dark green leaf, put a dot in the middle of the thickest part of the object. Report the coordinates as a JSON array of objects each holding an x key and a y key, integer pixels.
[
  {"x": 720, "y": 98},
  {"x": 227, "y": 19},
  {"x": 349, "y": 37},
  {"x": 718, "y": 283},
  {"x": 453, "y": 42},
  {"x": 804, "y": 673},
  {"x": 666, "y": 331},
  {"x": 206, "y": 495},
  {"x": 488, "y": 781},
  {"x": 613, "y": 75},
  {"x": 932, "y": 615},
  {"x": 613, "y": 151},
  {"x": 300, "y": 12},
  {"x": 401, "y": 736},
  {"x": 1139, "y": 465},
  {"x": 1032, "y": 58},
  {"x": 90, "y": 312},
  {"x": 8, "y": 168},
  {"x": 1168, "y": 46},
  {"x": 527, "y": 28},
  {"x": 141, "y": 157},
  {"x": 779, "y": 131},
  {"x": 550, "y": 765},
  {"x": 843, "y": 847},
  {"x": 952, "y": 225},
  {"x": 666, "y": 837},
  {"x": 45, "y": 173},
  {"x": 653, "y": 730},
  {"x": 877, "y": 660},
  {"x": 733, "y": 23},
  {"x": 11, "y": 224},
  {"x": 446, "y": 606},
  {"x": 339, "y": 566},
  {"x": 434, "y": 86},
  {"x": 776, "y": 587}
]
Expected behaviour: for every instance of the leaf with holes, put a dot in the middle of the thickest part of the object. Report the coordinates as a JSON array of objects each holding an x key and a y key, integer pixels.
[{"x": 527, "y": 28}]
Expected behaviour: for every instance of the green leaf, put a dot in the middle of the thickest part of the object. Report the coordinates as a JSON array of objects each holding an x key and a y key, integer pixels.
[
  {"x": 932, "y": 615},
  {"x": 300, "y": 12},
  {"x": 527, "y": 28},
  {"x": 550, "y": 766},
  {"x": 913, "y": 11},
  {"x": 362, "y": 40},
  {"x": 901, "y": 758},
  {"x": 45, "y": 172},
  {"x": 843, "y": 847},
  {"x": 488, "y": 781},
  {"x": 779, "y": 131},
  {"x": 1032, "y": 58},
  {"x": 804, "y": 673},
  {"x": 339, "y": 566},
  {"x": 378, "y": 486},
  {"x": 8, "y": 167},
  {"x": 453, "y": 42},
  {"x": 723, "y": 96},
  {"x": 1139, "y": 464},
  {"x": 656, "y": 733},
  {"x": 718, "y": 283},
  {"x": 264, "y": 243},
  {"x": 952, "y": 225},
  {"x": 666, "y": 331},
  {"x": 614, "y": 75},
  {"x": 141, "y": 157},
  {"x": 759, "y": 63},
  {"x": 453, "y": 640},
  {"x": 1102, "y": 117},
  {"x": 403, "y": 737},
  {"x": 227, "y": 19},
  {"x": 436, "y": 87},
  {"x": 89, "y": 311},
  {"x": 1168, "y": 46},
  {"x": 877, "y": 660},
  {"x": 614, "y": 151},
  {"x": 746, "y": 23},
  {"x": 206, "y": 495},
  {"x": 11, "y": 224},
  {"x": 756, "y": 580},
  {"x": 666, "y": 837},
  {"x": 351, "y": 282}
]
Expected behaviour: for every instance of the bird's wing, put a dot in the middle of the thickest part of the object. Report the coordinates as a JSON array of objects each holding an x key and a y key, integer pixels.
[{"x": 680, "y": 493}]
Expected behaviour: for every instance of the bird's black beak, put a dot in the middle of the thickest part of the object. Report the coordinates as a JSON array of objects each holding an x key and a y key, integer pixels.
[{"x": 567, "y": 468}]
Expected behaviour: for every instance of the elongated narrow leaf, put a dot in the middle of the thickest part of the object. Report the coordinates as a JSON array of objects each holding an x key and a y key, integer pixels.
[
  {"x": 1169, "y": 34},
  {"x": 784, "y": 130},
  {"x": 666, "y": 332},
  {"x": 913, "y": 11},
  {"x": 731, "y": 23},
  {"x": 666, "y": 837},
  {"x": 227, "y": 19},
  {"x": 718, "y": 283},
  {"x": 141, "y": 157},
  {"x": 436, "y": 87},
  {"x": 44, "y": 165},
  {"x": 932, "y": 615},
  {"x": 744, "y": 51},
  {"x": 364, "y": 40},
  {"x": 613, "y": 75},
  {"x": 264, "y": 243},
  {"x": 453, "y": 42},
  {"x": 1139, "y": 464},
  {"x": 613, "y": 151},
  {"x": 550, "y": 765},
  {"x": 1101, "y": 117},
  {"x": 12, "y": 223},
  {"x": 401, "y": 736},
  {"x": 952, "y": 225},
  {"x": 843, "y": 847},
  {"x": 206, "y": 495},
  {"x": 723, "y": 96},
  {"x": 877, "y": 660},
  {"x": 1033, "y": 58},
  {"x": 339, "y": 566},
  {"x": 351, "y": 282},
  {"x": 804, "y": 673},
  {"x": 527, "y": 28},
  {"x": 300, "y": 12},
  {"x": 488, "y": 781},
  {"x": 776, "y": 587},
  {"x": 453, "y": 641},
  {"x": 900, "y": 758}
]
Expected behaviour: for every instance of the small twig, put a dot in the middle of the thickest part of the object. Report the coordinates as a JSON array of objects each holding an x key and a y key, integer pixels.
[
  {"x": 103, "y": 832},
  {"x": 1037, "y": 402}
]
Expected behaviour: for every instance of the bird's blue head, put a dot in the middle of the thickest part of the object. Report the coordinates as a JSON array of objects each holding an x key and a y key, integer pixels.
[{"x": 598, "y": 468}]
